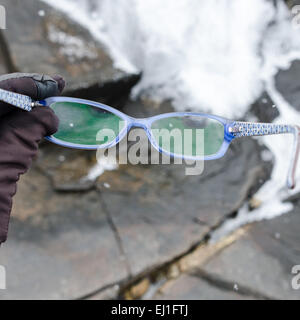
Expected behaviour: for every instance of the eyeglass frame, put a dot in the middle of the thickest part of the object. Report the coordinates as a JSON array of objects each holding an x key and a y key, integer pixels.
[{"x": 232, "y": 129}]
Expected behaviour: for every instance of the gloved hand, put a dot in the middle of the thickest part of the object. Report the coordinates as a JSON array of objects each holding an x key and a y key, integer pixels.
[{"x": 20, "y": 133}]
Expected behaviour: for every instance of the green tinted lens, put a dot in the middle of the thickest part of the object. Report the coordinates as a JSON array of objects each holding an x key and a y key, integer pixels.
[
  {"x": 86, "y": 125},
  {"x": 189, "y": 135}
]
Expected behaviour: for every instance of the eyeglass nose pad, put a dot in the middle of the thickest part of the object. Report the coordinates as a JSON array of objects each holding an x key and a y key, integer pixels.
[{"x": 291, "y": 179}]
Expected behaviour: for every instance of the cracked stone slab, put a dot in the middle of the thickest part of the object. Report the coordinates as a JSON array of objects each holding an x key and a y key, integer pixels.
[
  {"x": 160, "y": 212},
  {"x": 263, "y": 258},
  {"x": 60, "y": 245},
  {"x": 44, "y": 40},
  {"x": 188, "y": 287}
]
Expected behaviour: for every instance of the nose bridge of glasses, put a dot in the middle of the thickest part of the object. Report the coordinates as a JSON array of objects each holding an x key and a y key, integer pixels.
[{"x": 139, "y": 123}]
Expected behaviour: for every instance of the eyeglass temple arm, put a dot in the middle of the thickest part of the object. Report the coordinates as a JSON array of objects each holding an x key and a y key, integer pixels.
[
  {"x": 18, "y": 100},
  {"x": 245, "y": 129}
]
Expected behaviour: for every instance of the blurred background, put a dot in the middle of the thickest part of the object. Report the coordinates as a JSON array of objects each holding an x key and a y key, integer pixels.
[{"x": 87, "y": 230}]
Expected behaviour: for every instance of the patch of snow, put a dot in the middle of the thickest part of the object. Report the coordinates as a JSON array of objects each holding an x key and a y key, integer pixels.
[
  {"x": 41, "y": 13},
  {"x": 106, "y": 185},
  {"x": 71, "y": 46},
  {"x": 103, "y": 164}
]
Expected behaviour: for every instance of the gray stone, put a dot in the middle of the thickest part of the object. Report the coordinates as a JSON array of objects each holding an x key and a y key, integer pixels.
[
  {"x": 54, "y": 44},
  {"x": 188, "y": 287},
  {"x": 66, "y": 168},
  {"x": 108, "y": 293},
  {"x": 263, "y": 258},
  {"x": 292, "y": 3},
  {"x": 60, "y": 246},
  {"x": 264, "y": 109},
  {"x": 6, "y": 64},
  {"x": 287, "y": 83},
  {"x": 142, "y": 108}
]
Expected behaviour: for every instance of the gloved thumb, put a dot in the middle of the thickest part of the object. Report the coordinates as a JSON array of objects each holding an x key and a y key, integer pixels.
[{"x": 34, "y": 85}]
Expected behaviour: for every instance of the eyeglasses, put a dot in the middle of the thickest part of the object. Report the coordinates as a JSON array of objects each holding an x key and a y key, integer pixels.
[{"x": 81, "y": 120}]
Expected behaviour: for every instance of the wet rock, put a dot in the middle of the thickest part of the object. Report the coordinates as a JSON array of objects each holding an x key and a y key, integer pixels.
[
  {"x": 60, "y": 246},
  {"x": 42, "y": 39},
  {"x": 288, "y": 84},
  {"x": 189, "y": 287},
  {"x": 262, "y": 259}
]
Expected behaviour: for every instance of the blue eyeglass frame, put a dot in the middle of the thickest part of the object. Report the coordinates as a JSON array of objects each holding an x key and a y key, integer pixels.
[
  {"x": 144, "y": 123},
  {"x": 232, "y": 129}
]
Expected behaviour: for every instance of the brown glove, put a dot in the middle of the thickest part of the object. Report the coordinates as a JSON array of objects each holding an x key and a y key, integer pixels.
[{"x": 20, "y": 133}]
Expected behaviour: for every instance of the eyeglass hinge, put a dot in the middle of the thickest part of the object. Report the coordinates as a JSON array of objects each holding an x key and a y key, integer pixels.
[{"x": 235, "y": 129}]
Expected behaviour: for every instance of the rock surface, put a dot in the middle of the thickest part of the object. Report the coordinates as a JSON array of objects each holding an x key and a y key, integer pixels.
[
  {"x": 44, "y": 40},
  {"x": 263, "y": 258},
  {"x": 292, "y": 3},
  {"x": 264, "y": 109},
  {"x": 5, "y": 62},
  {"x": 60, "y": 245},
  {"x": 257, "y": 263},
  {"x": 192, "y": 287},
  {"x": 66, "y": 168},
  {"x": 287, "y": 83}
]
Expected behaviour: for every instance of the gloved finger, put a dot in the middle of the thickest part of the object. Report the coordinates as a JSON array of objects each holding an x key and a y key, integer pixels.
[
  {"x": 20, "y": 133},
  {"x": 36, "y": 86},
  {"x": 41, "y": 121},
  {"x": 61, "y": 83}
]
